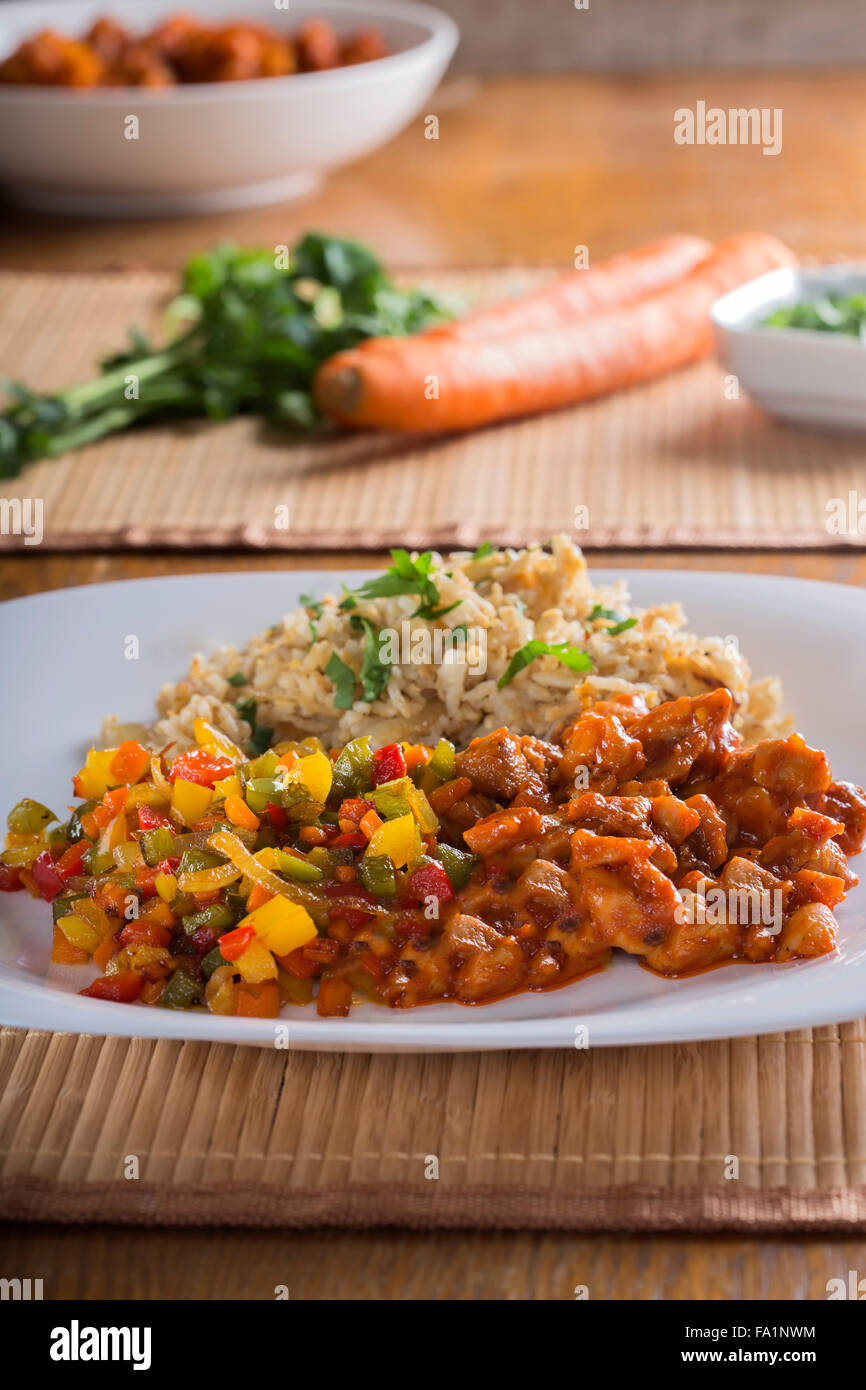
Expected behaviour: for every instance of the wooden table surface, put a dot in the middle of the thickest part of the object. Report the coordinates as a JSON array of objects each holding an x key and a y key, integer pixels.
[{"x": 524, "y": 169}]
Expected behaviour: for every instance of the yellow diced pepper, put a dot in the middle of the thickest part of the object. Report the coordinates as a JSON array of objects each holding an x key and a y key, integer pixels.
[
  {"x": 282, "y": 925},
  {"x": 166, "y": 886},
  {"x": 79, "y": 933},
  {"x": 267, "y": 857},
  {"x": 256, "y": 963},
  {"x": 207, "y": 736},
  {"x": 422, "y": 810},
  {"x": 315, "y": 773},
  {"x": 94, "y": 778},
  {"x": 399, "y": 838},
  {"x": 190, "y": 800},
  {"x": 229, "y": 786},
  {"x": 115, "y": 833}
]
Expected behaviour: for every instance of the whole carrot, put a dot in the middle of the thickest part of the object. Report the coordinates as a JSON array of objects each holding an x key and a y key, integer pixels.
[
  {"x": 441, "y": 381},
  {"x": 618, "y": 280}
]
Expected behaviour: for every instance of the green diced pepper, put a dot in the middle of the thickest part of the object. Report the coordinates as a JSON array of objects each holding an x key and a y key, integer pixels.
[
  {"x": 211, "y": 962},
  {"x": 442, "y": 761},
  {"x": 218, "y": 916},
  {"x": 391, "y": 799},
  {"x": 264, "y": 766},
  {"x": 302, "y": 870},
  {"x": 182, "y": 991},
  {"x": 193, "y": 860},
  {"x": 62, "y": 906},
  {"x": 156, "y": 845},
  {"x": 377, "y": 875},
  {"x": 353, "y": 770},
  {"x": 457, "y": 864},
  {"x": 323, "y": 859},
  {"x": 29, "y": 817},
  {"x": 259, "y": 791},
  {"x": 97, "y": 861}
]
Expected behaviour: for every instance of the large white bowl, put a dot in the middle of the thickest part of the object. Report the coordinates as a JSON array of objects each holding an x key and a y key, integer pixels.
[{"x": 210, "y": 146}]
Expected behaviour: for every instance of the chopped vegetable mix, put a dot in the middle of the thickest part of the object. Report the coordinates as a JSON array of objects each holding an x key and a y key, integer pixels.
[{"x": 228, "y": 874}]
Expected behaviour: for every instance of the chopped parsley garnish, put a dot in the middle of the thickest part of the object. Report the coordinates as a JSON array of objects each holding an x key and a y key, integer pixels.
[
  {"x": 344, "y": 681},
  {"x": 237, "y": 679},
  {"x": 404, "y": 576},
  {"x": 314, "y": 606},
  {"x": 620, "y": 624},
  {"x": 375, "y": 669},
  {"x": 571, "y": 657},
  {"x": 260, "y": 738},
  {"x": 248, "y": 709},
  {"x": 483, "y": 550}
]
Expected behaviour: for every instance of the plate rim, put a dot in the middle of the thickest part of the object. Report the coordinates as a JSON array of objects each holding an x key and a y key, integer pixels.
[{"x": 17, "y": 1000}]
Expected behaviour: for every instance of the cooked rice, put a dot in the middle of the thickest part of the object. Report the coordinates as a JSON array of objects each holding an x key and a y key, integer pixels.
[{"x": 506, "y": 599}]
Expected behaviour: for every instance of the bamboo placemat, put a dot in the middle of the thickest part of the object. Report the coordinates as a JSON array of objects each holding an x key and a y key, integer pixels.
[
  {"x": 144, "y": 1132},
  {"x": 675, "y": 463}
]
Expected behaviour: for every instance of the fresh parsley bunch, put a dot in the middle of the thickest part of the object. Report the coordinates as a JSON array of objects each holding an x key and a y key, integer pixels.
[{"x": 247, "y": 332}]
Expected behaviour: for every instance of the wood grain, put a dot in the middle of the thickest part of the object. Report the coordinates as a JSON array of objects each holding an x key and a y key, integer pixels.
[{"x": 525, "y": 169}]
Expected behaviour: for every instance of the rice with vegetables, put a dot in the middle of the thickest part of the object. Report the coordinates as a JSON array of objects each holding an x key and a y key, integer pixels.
[{"x": 511, "y": 606}]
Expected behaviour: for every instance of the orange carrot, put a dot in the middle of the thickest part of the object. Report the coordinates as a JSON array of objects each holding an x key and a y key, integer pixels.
[
  {"x": 438, "y": 382},
  {"x": 580, "y": 293}
]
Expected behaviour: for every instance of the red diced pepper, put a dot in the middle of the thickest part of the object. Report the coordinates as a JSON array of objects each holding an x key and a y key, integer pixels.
[
  {"x": 148, "y": 819},
  {"x": 110, "y": 806},
  {"x": 298, "y": 964},
  {"x": 122, "y": 988},
  {"x": 389, "y": 764},
  {"x": 277, "y": 816},
  {"x": 168, "y": 866},
  {"x": 198, "y": 765},
  {"x": 10, "y": 881},
  {"x": 234, "y": 943},
  {"x": 203, "y": 939},
  {"x": 350, "y": 839},
  {"x": 431, "y": 881},
  {"x": 70, "y": 860},
  {"x": 141, "y": 932},
  {"x": 46, "y": 877},
  {"x": 354, "y": 808}
]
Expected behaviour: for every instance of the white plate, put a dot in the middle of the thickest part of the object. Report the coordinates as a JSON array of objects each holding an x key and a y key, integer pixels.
[
  {"x": 210, "y": 146},
  {"x": 64, "y": 668},
  {"x": 801, "y": 375}
]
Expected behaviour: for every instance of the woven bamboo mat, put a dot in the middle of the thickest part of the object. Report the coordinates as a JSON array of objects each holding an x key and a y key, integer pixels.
[
  {"x": 674, "y": 463},
  {"x": 754, "y": 1134}
]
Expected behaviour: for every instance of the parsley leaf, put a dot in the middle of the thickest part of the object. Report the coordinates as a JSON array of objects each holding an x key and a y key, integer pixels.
[
  {"x": 344, "y": 681},
  {"x": 261, "y": 739},
  {"x": 404, "y": 576},
  {"x": 484, "y": 549},
  {"x": 316, "y": 608},
  {"x": 261, "y": 735},
  {"x": 237, "y": 679},
  {"x": 571, "y": 657},
  {"x": 248, "y": 709},
  {"x": 620, "y": 624},
  {"x": 375, "y": 670}
]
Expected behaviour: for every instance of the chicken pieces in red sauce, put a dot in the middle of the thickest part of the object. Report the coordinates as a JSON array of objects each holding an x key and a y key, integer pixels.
[{"x": 649, "y": 831}]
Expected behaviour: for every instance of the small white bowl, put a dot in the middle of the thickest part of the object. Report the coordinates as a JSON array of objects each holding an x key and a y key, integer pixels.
[
  {"x": 808, "y": 377},
  {"x": 208, "y": 147}
]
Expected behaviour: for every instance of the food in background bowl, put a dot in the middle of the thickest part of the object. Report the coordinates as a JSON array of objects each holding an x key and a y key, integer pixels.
[
  {"x": 200, "y": 145},
  {"x": 184, "y": 49}
]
